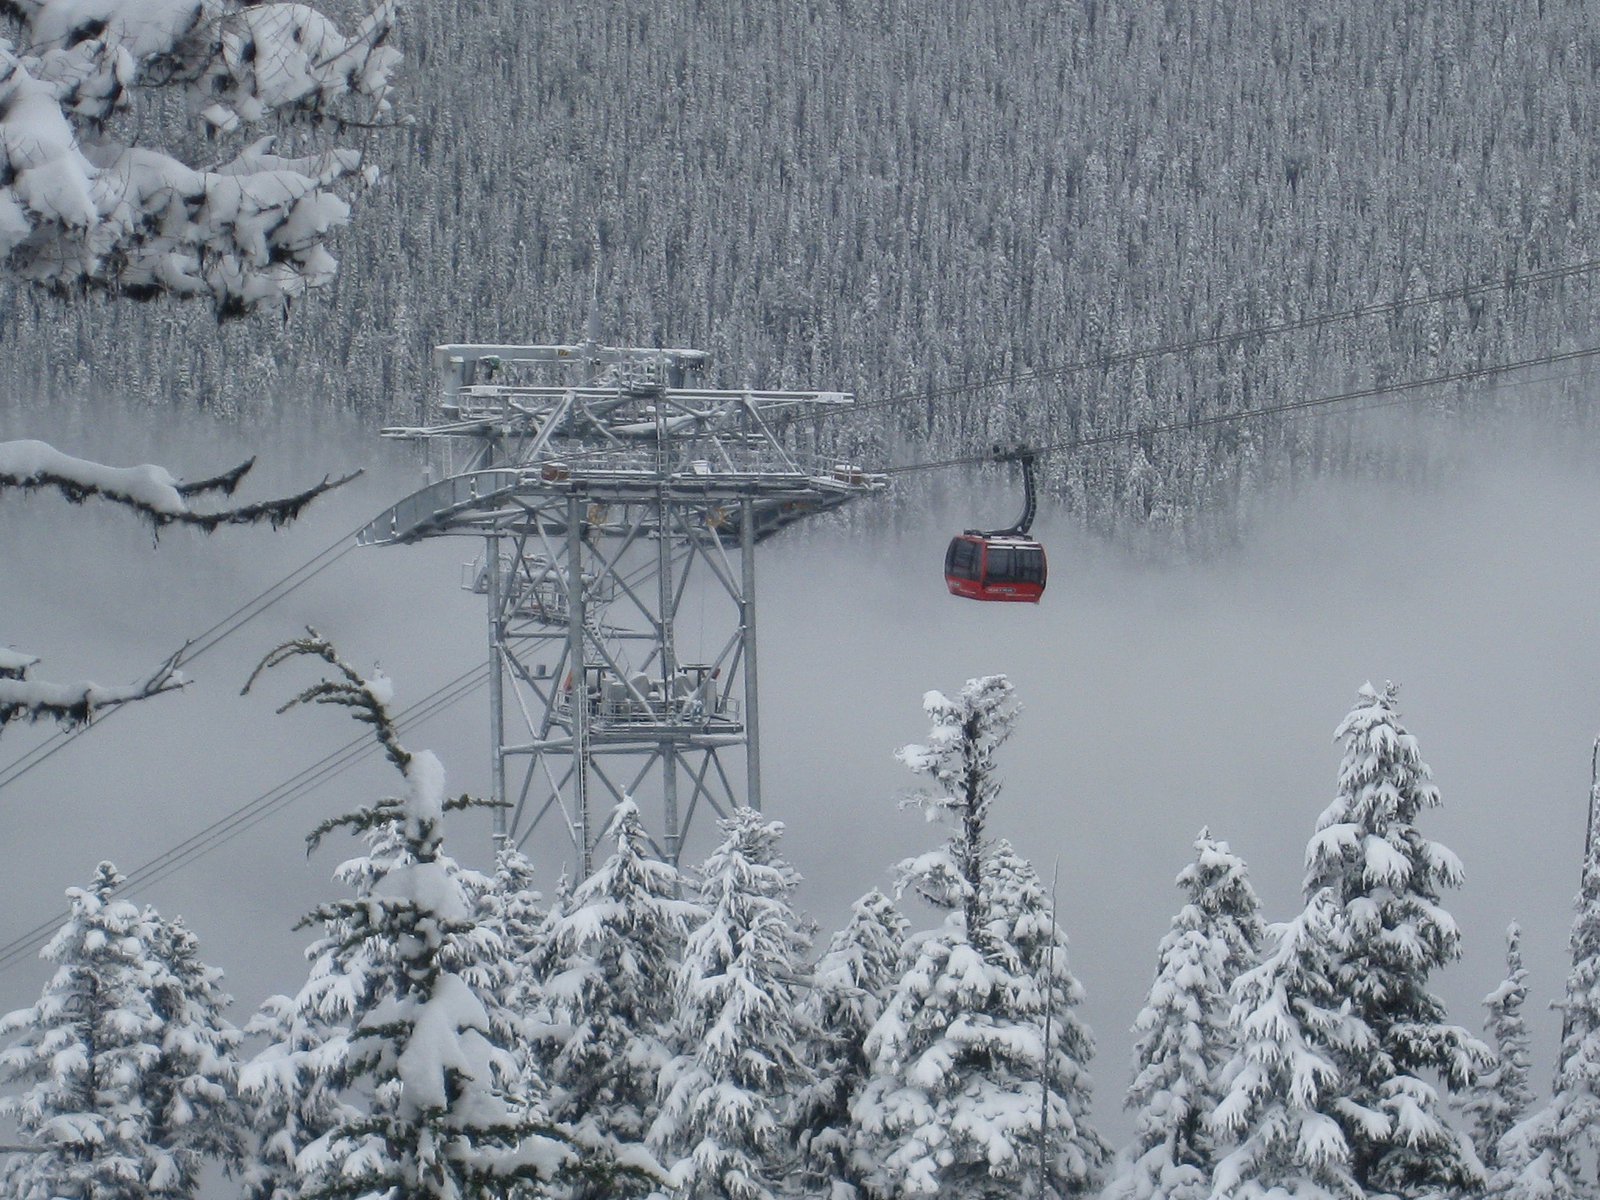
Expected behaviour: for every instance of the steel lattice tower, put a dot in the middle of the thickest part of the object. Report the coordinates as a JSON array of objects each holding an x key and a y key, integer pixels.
[{"x": 601, "y": 480}]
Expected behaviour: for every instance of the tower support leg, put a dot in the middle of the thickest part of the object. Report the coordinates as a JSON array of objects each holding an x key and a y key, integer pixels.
[
  {"x": 497, "y": 676},
  {"x": 747, "y": 630},
  {"x": 578, "y": 679}
]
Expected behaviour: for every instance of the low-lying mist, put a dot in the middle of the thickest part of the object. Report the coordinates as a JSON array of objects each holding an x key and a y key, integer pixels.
[{"x": 1159, "y": 697}]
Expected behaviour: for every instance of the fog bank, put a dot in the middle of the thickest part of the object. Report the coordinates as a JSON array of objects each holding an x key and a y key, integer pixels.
[{"x": 1158, "y": 698}]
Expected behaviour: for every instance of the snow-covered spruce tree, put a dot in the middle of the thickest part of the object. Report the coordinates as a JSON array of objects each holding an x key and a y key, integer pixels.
[
  {"x": 507, "y": 905},
  {"x": 1020, "y": 914},
  {"x": 725, "y": 1128},
  {"x": 960, "y": 1070},
  {"x": 1183, "y": 1035},
  {"x": 291, "y": 1089},
  {"x": 436, "y": 1108},
  {"x": 82, "y": 206},
  {"x": 850, "y": 986},
  {"x": 614, "y": 947},
  {"x": 80, "y": 1078},
  {"x": 1339, "y": 1035},
  {"x": 510, "y": 905},
  {"x": 1555, "y": 1153},
  {"x": 1282, "y": 1089},
  {"x": 294, "y": 1088},
  {"x": 1501, "y": 1096},
  {"x": 195, "y": 1112}
]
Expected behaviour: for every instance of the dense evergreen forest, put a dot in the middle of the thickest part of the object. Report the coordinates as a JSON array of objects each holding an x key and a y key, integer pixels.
[{"x": 889, "y": 197}]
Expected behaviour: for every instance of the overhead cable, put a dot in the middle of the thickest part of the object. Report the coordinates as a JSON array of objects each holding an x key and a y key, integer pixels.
[
  {"x": 232, "y": 824},
  {"x": 198, "y": 646},
  {"x": 1312, "y": 402},
  {"x": 1123, "y": 357}
]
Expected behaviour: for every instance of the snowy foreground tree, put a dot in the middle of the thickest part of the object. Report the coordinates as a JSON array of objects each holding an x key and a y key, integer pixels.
[
  {"x": 610, "y": 952},
  {"x": 850, "y": 988},
  {"x": 1555, "y": 1153},
  {"x": 739, "y": 1032},
  {"x": 90, "y": 201},
  {"x": 433, "y": 1105},
  {"x": 1501, "y": 1096},
  {"x": 1329, "y": 1093},
  {"x": 84, "y": 205},
  {"x": 124, "y": 1069},
  {"x": 1184, "y": 1038},
  {"x": 978, "y": 1045}
]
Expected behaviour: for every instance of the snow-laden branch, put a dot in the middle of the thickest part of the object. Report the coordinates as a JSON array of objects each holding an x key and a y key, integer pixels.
[
  {"x": 366, "y": 698},
  {"x": 25, "y": 699},
  {"x": 149, "y": 490},
  {"x": 81, "y": 210}
]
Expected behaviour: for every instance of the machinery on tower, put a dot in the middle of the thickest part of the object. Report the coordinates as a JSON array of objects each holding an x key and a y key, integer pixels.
[{"x": 607, "y": 487}]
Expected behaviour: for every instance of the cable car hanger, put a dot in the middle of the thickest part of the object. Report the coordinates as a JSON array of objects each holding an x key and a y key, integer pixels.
[{"x": 1001, "y": 564}]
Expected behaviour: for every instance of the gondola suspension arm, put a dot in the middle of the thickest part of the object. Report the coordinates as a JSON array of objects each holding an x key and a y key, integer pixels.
[{"x": 1030, "y": 492}]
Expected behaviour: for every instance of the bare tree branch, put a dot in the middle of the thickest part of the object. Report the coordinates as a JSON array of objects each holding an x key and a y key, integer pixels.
[{"x": 227, "y": 483}]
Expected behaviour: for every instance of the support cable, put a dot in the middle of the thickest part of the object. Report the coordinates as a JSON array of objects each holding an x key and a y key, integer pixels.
[
  {"x": 245, "y": 817},
  {"x": 201, "y": 644},
  {"x": 1164, "y": 349},
  {"x": 1506, "y": 283},
  {"x": 1116, "y": 436}
]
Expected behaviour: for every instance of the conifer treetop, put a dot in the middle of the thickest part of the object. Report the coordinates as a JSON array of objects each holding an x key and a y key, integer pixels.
[
  {"x": 959, "y": 756},
  {"x": 435, "y": 1106}
]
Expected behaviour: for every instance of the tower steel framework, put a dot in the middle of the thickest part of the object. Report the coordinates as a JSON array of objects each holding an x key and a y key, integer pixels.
[{"x": 602, "y": 480}]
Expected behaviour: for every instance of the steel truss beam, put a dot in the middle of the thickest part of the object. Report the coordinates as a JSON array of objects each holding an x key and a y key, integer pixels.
[{"x": 608, "y": 501}]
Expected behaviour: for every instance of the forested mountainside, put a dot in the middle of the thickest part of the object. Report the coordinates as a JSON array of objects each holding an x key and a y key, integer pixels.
[{"x": 886, "y": 196}]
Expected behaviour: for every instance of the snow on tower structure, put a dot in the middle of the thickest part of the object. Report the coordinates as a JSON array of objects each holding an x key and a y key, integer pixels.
[{"x": 608, "y": 487}]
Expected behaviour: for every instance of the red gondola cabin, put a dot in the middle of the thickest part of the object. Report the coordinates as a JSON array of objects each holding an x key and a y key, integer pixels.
[{"x": 995, "y": 567}]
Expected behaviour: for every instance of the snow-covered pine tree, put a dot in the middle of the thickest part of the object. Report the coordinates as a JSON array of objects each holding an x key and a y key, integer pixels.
[
  {"x": 195, "y": 1111},
  {"x": 291, "y": 1088},
  {"x": 436, "y": 1108},
  {"x": 612, "y": 950},
  {"x": 1183, "y": 1035},
  {"x": 1501, "y": 1096},
  {"x": 1339, "y": 1035},
  {"x": 960, "y": 759},
  {"x": 954, "y": 1101},
  {"x": 724, "y": 1128},
  {"x": 294, "y": 1087},
  {"x": 507, "y": 905},
  {"x": 1552, "y": 1155},
  {"x": 1293, "y": 1031},
  {"x": 851, "y": 984},
  {"x": 1020, "y": 914},
  {"x": 510, "y": 904},
  {"x": 137, "y": 220},
  {"x": 80, "y": 1078}
]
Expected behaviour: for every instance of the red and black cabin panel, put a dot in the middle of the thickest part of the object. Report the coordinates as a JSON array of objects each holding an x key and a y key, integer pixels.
[{"x": 981, "y": 567}]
